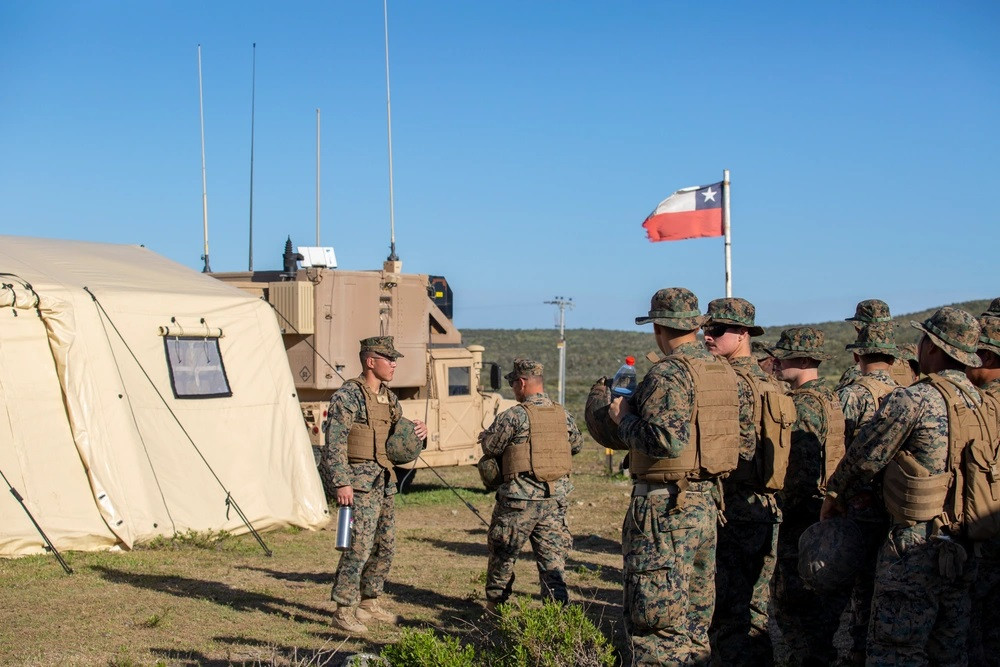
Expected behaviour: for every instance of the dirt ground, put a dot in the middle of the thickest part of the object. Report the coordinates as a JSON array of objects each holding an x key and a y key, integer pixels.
[{"x": 228, "y": 603}]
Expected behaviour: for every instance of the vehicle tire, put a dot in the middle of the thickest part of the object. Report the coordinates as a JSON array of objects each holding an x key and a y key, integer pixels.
[{"x": 404, "y": 477}]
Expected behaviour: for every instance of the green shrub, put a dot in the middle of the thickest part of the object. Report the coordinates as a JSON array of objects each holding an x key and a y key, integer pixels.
[
  {"x": 423, "y": 648},
  {"x": 552, "y": 635}
]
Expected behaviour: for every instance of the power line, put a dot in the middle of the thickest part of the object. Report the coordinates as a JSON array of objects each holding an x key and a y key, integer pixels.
[{"x": 562, "y": 303}]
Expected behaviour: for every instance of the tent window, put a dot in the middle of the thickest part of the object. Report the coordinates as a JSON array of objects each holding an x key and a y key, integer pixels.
[
  {"x": 459, "y": 380},
  {"x": 196, "y": 368}
]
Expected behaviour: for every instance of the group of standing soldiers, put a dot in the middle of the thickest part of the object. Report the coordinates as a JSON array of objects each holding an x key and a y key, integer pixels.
[{"x": 734, "y": 469}]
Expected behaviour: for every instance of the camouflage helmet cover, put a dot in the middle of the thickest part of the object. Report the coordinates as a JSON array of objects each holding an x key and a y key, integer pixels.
[
  {"x": 735, "y": 312},
  {"x": 799, "y": 342},
  {"x": 829, "y": 554},
  {"x": 403, "y": 446},
  {"x": 599, "y": 423},
  {"x": 674, "y": 307},
  {"x": 489, "y": 473},
  {"x": 954, "y": 331},
  {"x": 380, "y": 345}
]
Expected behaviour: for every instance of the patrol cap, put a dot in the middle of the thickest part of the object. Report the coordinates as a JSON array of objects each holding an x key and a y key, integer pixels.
[
  {"x": 674, "y": 307},
  {"x": 523, "y": 368},
  {"x": 994, "y": 309},
  {"x": 876, "y": 338},
  {"x": 954, "y": 331},
  {"x": 380, "y": 345},
  {"x": 735, "y": 312},
  {"x": 989, "y": 334},
  {"x": 870, "y": 311},
  {"x": 800, "y": 342}
]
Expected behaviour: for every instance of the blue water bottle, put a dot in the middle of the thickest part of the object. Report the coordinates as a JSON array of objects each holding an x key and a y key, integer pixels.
[{"x": 624, "y": 382}]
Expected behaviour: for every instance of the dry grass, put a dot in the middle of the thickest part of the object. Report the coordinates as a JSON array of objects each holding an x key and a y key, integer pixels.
[{"x": 188, "y": 603}]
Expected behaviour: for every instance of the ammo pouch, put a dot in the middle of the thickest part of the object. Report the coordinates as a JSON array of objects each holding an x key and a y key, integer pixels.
[{"x": 911, "y": 493}]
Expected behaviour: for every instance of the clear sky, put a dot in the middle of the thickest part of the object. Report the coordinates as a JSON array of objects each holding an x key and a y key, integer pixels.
[{"x": 530, "y": 140}]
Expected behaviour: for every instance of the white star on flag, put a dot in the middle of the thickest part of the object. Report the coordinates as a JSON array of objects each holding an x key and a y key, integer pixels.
[{"x": 709, "y": 194}]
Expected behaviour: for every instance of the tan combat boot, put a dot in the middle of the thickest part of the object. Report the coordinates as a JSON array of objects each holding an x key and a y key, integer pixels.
[
  {"x": 345, "y": 620},
  {"x": 369, "y": 609}
]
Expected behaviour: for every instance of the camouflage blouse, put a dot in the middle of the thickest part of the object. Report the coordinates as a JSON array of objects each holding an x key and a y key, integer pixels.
[
  {"x": 803, "y": 480},
  {"x": 512, "y": 428},
  {"x": 347, "y": 407},
  {"x": 914, "y": 419},
  {"x": 660, "y": 423}
]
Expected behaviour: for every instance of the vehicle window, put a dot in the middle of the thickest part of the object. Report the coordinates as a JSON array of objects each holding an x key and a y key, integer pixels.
[
  {"x": 196, "y": 368},
  {"x": 459, "y": 381}
]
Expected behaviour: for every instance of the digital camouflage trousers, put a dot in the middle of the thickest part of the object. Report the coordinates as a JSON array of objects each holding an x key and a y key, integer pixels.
[{"x": 362, "y": 570}]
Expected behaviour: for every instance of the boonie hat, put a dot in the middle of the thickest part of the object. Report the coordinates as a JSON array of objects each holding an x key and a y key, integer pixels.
[
  {"x": 380, "y": 345},
  {"x": 523, "y": 368},
  {"x": 994, "y": 309},
  {"x": 954, "y": 331},
  {"x": 908, "y": 352},
  {"x": 989, "y": 334},
  {"x": 799, "y": 342},
  {"x": 733, "y": 311},
  {"x": 760, "y": 350},
  {"x": 674, "y": 307},
  {"x": 870, "y": 311},
  {"x": 877, "y": 338}
]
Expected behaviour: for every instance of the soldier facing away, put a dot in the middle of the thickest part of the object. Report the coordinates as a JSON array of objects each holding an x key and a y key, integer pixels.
[
  {"x": 676, "y": 455},
  {"x": 748, "y": 539},
  {"x": 920, "y": 610},
  {"x": 356, "y": 470},
  {"x": 529, "y": 446},
  {"x": 807, "y": 620}
]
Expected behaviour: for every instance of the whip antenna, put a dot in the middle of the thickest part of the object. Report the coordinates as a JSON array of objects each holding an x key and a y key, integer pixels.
[{"x": 388, "y": 114}]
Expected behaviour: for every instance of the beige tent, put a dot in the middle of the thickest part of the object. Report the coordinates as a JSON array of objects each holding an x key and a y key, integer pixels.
[{"x": 136, "y": 397}]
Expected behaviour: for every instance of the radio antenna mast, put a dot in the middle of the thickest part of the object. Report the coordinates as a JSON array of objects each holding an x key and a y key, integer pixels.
[
  {"x": 253, "y": 97},
  {"x": 388, "y": 114}
]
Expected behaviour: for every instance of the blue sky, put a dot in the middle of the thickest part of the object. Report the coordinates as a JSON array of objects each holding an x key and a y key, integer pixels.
[{"x": 530, "y": 140}]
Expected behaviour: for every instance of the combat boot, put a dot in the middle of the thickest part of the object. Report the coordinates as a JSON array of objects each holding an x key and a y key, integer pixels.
[
  {"x": 344, "y": 619},
  {"x": 369, "y": 609}
]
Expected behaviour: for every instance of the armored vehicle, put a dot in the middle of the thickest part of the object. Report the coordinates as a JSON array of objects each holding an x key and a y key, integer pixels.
[{"x": 323, "y": 312}]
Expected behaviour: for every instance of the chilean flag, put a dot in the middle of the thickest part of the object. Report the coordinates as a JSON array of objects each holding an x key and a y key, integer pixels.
[{"x": 690, "y": 213}]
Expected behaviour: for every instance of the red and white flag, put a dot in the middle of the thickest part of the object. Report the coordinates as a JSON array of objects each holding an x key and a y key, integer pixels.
[{"x": 690, "y": 213}]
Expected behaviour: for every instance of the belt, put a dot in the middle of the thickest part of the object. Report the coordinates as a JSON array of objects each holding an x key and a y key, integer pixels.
[{"x": 640, "y": 489}]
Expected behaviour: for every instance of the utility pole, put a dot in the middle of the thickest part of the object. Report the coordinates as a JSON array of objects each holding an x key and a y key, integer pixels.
[{"x": 563, "y": 303}]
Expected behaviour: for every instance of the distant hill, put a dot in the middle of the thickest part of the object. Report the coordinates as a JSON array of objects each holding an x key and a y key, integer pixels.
[{"x": 591, "y": 353}]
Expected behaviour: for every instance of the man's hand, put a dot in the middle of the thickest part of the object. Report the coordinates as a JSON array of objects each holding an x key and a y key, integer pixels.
[
  {"x": 345, "y": 495},
  {"x": 831, "y": 508},
  {"x": 420, "y": 429},
  {"x": 618, "y": 409}
]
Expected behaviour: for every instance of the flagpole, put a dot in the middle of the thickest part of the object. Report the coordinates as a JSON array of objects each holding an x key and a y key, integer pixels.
[{"x": 725, "y": 229}]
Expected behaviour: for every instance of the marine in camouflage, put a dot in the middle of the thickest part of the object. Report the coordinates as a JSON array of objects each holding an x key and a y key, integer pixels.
[
  {"x": 921, "y": 606},
  {"x": 806, "y": 619},
  {"x": 362, "y": 570},
  {"x": 747, "y": 541},
  {"x": 668, "y": 541},
  {"x": 524, "y": 509}
]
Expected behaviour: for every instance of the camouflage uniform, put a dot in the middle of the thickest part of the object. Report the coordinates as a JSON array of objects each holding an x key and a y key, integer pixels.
[
  {"x": 919, "y": 615},
  {"x": 984, "y": 647},
  {"x": 864, "y": 504},
  {"x": 866, "y": 312},
  {"x": 747, "y": 541},
  {"x": 527, "y": 508},
  {"x": 362, "y": 570},
  {"x": 807, "y": 620},
  {"x": 668, "y": 541}
]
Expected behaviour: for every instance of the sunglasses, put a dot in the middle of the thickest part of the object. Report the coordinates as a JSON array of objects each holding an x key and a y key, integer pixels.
[{"x": 716, "y": 330}]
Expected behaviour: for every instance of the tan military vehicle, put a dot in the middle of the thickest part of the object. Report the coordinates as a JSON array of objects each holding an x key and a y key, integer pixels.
[{"x": 324, "y": 312}]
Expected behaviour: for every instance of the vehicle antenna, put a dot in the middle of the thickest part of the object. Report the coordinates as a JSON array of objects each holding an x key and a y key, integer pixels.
[
  {"x": 204, "y": 187},
  {"x": 388, "y": 114},
  {"x": 253, "y": 96}
]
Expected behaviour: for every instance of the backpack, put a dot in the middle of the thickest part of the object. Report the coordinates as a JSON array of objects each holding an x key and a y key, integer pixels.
[
  {"x": 972, "y": 505},
  {"x": 774, "y": 416}
]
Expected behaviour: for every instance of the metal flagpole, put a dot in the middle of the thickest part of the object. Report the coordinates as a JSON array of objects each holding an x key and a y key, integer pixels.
[{"x": 725, "y": 229}]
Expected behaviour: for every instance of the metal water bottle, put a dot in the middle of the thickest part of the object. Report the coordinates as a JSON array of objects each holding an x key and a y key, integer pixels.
[{"x": 345, "y": 527}]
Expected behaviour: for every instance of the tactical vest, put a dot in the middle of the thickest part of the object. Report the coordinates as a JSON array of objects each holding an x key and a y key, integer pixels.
[
  {"x": 715, "y": 428},
  {"x": 773, "y": 419},
  {"x": 366, "y": 442},
  {"x": 965, "y": 498},
  {"x": 834, "y": 446},
  {"x": 546, "y": 454}
]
